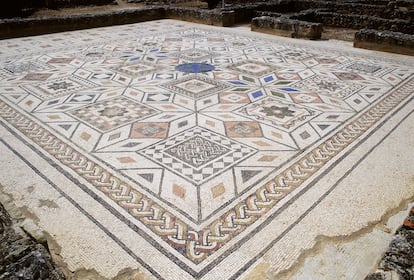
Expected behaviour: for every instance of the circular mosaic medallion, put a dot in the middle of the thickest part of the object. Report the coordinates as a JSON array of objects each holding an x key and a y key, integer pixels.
[{"x": 194, "y": 67}]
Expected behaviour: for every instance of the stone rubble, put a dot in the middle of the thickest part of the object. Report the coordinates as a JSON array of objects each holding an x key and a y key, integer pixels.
[
  {"x": 21, "y": 257},
  {"x": 399, "y": 258}
]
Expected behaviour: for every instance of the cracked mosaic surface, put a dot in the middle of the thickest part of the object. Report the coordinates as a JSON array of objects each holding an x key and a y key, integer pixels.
[{"x": 198, "y": 160}]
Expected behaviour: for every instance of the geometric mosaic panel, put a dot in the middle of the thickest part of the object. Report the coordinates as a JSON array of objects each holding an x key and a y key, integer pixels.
[
  {"x": 194, "y": 55},
  {"x": 109, "y": 114},
  {"x": 254, "y": 68},
  {"x": 196, "y": 86},
  {"x": 139, "y": 68},
  {"x": 149, "y": 130},
  {"x": 278, "y": 113},
  {"x": 364, "y": 68},
  {"x": 17, "y": 68},
  {"x": 59, "y": 87},
  {"x": 329, "y": 86},
  {"x": 197, "y": 154}
]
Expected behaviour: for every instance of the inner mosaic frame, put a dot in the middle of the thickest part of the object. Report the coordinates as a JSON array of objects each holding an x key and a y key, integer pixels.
[{"x": 196, "y": 159}]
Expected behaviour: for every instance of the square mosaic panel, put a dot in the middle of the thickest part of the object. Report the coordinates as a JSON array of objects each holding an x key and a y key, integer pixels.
[
  {"x": 278, "y": 113},
  {"x": 365, "y": 68},
  {"x": 113, "y": 113},
  {"x": 58, "y": 87},
  {"x": 328, "y": 86},
  {"x": 198, "y": 155},
  {"x": 17, "y": 67}
]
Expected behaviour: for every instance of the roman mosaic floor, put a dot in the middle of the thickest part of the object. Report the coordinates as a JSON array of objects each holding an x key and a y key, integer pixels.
[{"x": 194, "y": 152}]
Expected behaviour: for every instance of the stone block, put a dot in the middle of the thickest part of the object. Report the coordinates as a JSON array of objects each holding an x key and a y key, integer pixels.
[
  {"x": 211, "y": 17},
  {"x": 284, "y": 26},
  {"x": 18, "y": 27},
  {"x": 387, "y": 41}
]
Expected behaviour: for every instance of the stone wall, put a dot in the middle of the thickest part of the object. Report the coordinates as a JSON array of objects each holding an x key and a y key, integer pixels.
[
  {"x": 210, "y": 17},
  {"x": 385, "y": 9},
  {"x": 157, "y": 2},
  {"x": 72, "y": 3},
  {"x": 388, "y": 41},
  {"x": 287, "y": 27},
  {"x": 246, "y": 12},
  {"x": 18, "y": 8},
  {"x": 302, "y": 19},
  {"x": 22, "y": 8},
  {"x": 18, "y": 27},
  {"x": 356, "y": 21}
]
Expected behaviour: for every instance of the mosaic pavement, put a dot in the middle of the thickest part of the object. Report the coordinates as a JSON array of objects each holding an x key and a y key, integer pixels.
[{"x": 194, "y": 137}]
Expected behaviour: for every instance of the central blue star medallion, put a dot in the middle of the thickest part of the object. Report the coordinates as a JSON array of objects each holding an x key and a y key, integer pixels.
[{"x": 194, "y": 67}]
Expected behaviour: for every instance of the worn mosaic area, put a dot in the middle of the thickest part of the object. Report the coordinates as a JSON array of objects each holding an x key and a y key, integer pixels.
[{"x": 197, "y": 134}]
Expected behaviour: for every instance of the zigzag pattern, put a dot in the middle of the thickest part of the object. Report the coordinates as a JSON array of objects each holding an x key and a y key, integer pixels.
[{"x": 200, "y": 244}]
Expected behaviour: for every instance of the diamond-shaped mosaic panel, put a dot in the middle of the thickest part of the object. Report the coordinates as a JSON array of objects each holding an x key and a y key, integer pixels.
[
  {"x": 194, "y": 55},
  {"x": 196, "y": 86},
  {"x": 136, "y": 69},
  {"x": 252, "y": 67}
]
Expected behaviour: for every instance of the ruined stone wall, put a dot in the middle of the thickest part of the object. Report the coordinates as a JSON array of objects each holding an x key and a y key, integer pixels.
[
  {"x": 23, "y": 256},
  {"x": 211, "y": 17},
  {"x": 22, "y": 8},
  {"x": 284, "y": 26},
  {"x": 16, "y": 27},
  {"x": 389, "y": 41},
  {"x": 357, "y": 21}
]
